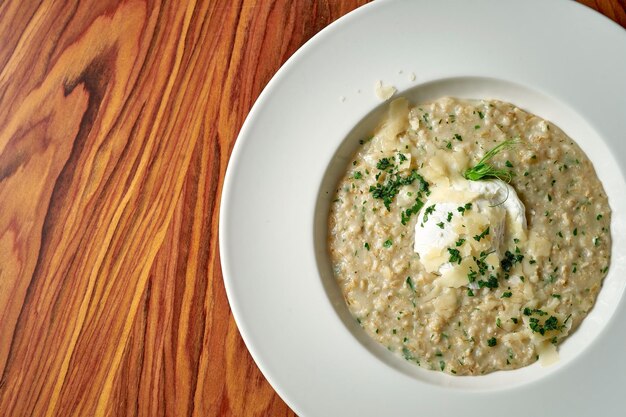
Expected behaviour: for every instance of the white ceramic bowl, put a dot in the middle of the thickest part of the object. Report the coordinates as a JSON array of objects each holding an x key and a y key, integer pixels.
[{"x": 556, "y": 59}]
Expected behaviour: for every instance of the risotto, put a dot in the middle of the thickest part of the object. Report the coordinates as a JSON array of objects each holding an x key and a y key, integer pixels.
[{"x": 469, "y": 236}]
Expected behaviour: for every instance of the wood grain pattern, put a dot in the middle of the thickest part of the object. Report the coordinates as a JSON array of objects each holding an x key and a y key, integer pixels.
[
  {"x": 117, "y": 119},
  {"x": 613, "y": 9}
]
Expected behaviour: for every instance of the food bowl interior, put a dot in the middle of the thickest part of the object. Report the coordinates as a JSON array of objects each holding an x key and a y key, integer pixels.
[{"x": 536, "y": 102}]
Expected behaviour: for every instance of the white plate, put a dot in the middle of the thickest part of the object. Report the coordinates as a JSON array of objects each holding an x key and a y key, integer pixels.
[{"x": 556, "y": 59}]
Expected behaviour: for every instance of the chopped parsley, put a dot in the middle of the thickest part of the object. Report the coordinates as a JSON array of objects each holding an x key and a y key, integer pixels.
[
  {"x": 552, "y": 323},
  {"x": 388, "y": 243},
  {"x": 467, "y": 206},
  {"x": 388, "y": 191},
  {"x": 508, "y": 164},
  {"x": 440, "y": 225},
  {"x": 492, "y": 282},
  {"x": 449, "y": 217},
  {"x": 357, "y": 175},
  {"x": 429, "y": 210},
  {"x": 506, "y": 294},
  {"x": 480, "y": 262},
  {"x": 482, "y": 235},
  {"x": 529, "y": 312},
  {"x": 409, "y": 282},
  {"x": 455, "y": 256},
  {"x": 384, "y": 163},
  {"x": 471, "y": 275},
  {"x": 510, "y": 260},
  {"x": 458, "y": 137},
  {"x": 459, "y": 242},
  {"x": 366, "y": 246},
  {"x": 492, "y": 342},
  {"x": 535, "y": 327},
  {"x": 414, "y": 209}
]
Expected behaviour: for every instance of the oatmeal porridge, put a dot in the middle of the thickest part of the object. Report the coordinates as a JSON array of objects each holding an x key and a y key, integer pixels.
[{"x": 469, "y": 236}]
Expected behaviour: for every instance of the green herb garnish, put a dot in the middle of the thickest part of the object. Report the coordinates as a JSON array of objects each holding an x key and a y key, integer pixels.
[
  {"x": 429, "y": 210},
  {"x": 409, "y": 282},
  {"x": 388, "y": 191},
  {"x": 482, "y": 235},
  {"x": 551, "y": 323},
  {"x": 383, "y": 164},
  {"x": 510, "y": 259},
  {"x": 414, "y": 209},
  {"x": 483, "y": 170},
  {"x": 455, "y": 255},
  {"x": 471, "y": 275},
  {"x": 491, "y": 283},
  {"x": 467, "y": 206}
]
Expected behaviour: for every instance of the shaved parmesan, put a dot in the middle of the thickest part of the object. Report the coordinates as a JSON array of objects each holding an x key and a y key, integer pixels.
[{"x": 384, "y": 92}]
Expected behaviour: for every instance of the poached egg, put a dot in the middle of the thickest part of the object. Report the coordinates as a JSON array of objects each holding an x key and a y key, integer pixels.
[{"x": 465, "y": 225}]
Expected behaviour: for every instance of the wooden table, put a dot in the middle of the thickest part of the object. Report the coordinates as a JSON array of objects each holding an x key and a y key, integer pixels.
[{"x": 116, "y": 123}]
